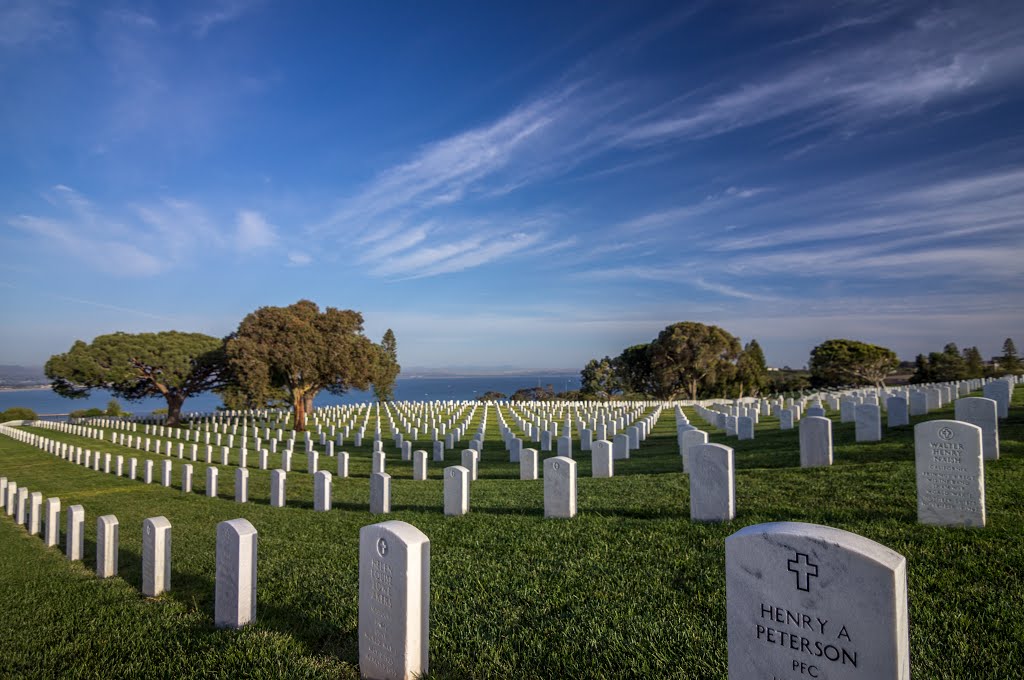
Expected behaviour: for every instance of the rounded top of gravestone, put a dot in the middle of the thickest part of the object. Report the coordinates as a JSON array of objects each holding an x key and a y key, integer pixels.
[
  {"x": 946, "y": 430},
  {"x": 814, "y": 419},
  {"x": 240, "y": 527},
  {"x": 151, "y": 523},
  {"x": 778, "y": 533},
  {"x": 386, "y": 534}
]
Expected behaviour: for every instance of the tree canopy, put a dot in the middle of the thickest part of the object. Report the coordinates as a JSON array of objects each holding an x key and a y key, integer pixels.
[
  {"x": 303, "y": 350},
  {"x": 751, "y": 370},
  {"x": 687, "y": 356},
  {"x": 597, "y": 379},
  {"x": 387, "y": 369},
  {"x": 1009, "y": 362},
  {"x": 851, "y": 362},
  {"x": 170, "y": 364},
  {"x": 632, "y": 370}
]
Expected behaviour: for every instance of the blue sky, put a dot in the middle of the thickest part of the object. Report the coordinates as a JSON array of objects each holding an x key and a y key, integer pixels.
[{"x": 515, "y": 184}]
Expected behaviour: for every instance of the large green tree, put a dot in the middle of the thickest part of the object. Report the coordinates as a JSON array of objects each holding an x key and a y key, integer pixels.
[
  {"x": 632, "y": 369},
  {"x": 974, "y": 364},
  {"x": 170, "y": 364},
  {"x": 689, "y": 357},
  {"x": 851, "y": 362},
  {"x": 1009, "y": 362},
  {"x": 303, "y": 350},
  {"x": 597, "y": 379},
  {"x": 751, "y": 370},
  {"x": 387, "y": 368}
]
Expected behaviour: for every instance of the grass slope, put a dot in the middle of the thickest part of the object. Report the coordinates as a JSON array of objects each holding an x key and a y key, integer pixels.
[{"x": 629, "y": 588}]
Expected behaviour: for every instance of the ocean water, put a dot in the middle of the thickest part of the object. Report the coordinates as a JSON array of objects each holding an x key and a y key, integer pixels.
[{"x": 46, "y": 402}]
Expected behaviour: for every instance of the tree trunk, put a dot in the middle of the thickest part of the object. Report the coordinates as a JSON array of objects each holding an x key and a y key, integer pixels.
[
  {"x": 174, "y": 402},
  {"x": 299, "y": 402},
  {"x": 693, "y": 390}
]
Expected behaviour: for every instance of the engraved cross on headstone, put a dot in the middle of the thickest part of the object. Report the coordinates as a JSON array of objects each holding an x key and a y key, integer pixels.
[{"x": 804, "y": 570}]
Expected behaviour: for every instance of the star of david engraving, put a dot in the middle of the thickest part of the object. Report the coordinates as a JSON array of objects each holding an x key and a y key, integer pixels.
[{"x": 804, "y": 570}]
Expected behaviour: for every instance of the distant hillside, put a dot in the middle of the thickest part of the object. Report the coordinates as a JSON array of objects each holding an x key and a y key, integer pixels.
[{"x": 21, "y": 376}]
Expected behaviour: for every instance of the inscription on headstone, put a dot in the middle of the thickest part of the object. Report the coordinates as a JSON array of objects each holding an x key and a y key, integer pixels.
[
  {"x": 950, "y": 474},
  {"x": 809, "y": 601},
  {"x": 394, "y": 601}
]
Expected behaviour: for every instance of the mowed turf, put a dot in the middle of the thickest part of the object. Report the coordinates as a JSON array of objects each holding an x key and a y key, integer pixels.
[{"x": 629, "y": 588}]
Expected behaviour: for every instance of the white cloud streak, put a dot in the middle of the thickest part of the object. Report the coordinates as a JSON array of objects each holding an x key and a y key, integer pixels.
[
  {"x": 151, "y": 239},
  {"x": 941, "y": 58},
  {"x": 254, "y": 232}
]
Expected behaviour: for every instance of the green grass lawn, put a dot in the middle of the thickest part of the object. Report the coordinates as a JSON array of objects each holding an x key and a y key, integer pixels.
[{"x": 629, "y": 588}]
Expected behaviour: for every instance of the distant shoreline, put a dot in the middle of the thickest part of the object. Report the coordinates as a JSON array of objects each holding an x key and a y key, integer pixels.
[{"x": 31, "y": 388}]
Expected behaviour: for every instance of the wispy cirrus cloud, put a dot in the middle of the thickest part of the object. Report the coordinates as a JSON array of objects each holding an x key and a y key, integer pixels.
[
  {"x": 218, "y": 13},
  {"x": 254, "y": 232},
  {"x": 145, "y": 239},
  {"x": 25, "y": 23},
  {"x": 941, "y": 57},
  {"x": 475, "y": 167}
]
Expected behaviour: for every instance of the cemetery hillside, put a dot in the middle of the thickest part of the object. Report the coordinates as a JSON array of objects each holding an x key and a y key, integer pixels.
[
  {"x": 676, "y": 517},
  {"x": 512, "y": 340}
]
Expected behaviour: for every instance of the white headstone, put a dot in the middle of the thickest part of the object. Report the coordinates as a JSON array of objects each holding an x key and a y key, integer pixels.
[
  {"x": 241, "y": 485},
  {"x": 950, "y": 473},
  {"x": 620, "y": 447},
  {"x": 21, "y": 506},
  {"x": 235, "y": 589},
  {"x": 809, "y": 601},
  {"x": 394, "y": 601},
  {"x": 343, "y": 464},
  {"x": 211, "y": 481},
  {"x": 380, "y": 493},
  {"x": 156, "y": 556},
  {"x": 745, "y": 428},
  {"x": 687, "y": 440},
  {"x": 985, "y": 414},
  {"x": 75, "y": 534},
  {"x": 277, "y": 490},
  {"x": 815, "y": 441},
  {"x": 469, "y": 461},
  {"x": 918, "y": 404},
  {"x": 897, "y": 412},
  {"x": 712, "y": 483},
  {"x": 999, "y": 391},
  {"x": 51, "y": 533},
  {"x": 419, "y": 465},
  {"x": 601, "y": 460},
  {"x": 106, "y": 546},
  {"x": 35, "y": 511},
  {"x": 559, "y": 487},
  {"x": 528, "y": 464},
  {"x": 456, "y": 490},
  {"x": 322, "y": 491},
  {"x": 868, "y": 423}
]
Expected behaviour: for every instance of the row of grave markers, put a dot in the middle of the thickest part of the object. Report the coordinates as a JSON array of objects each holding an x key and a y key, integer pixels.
[{"x": 801, "y": 599}]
